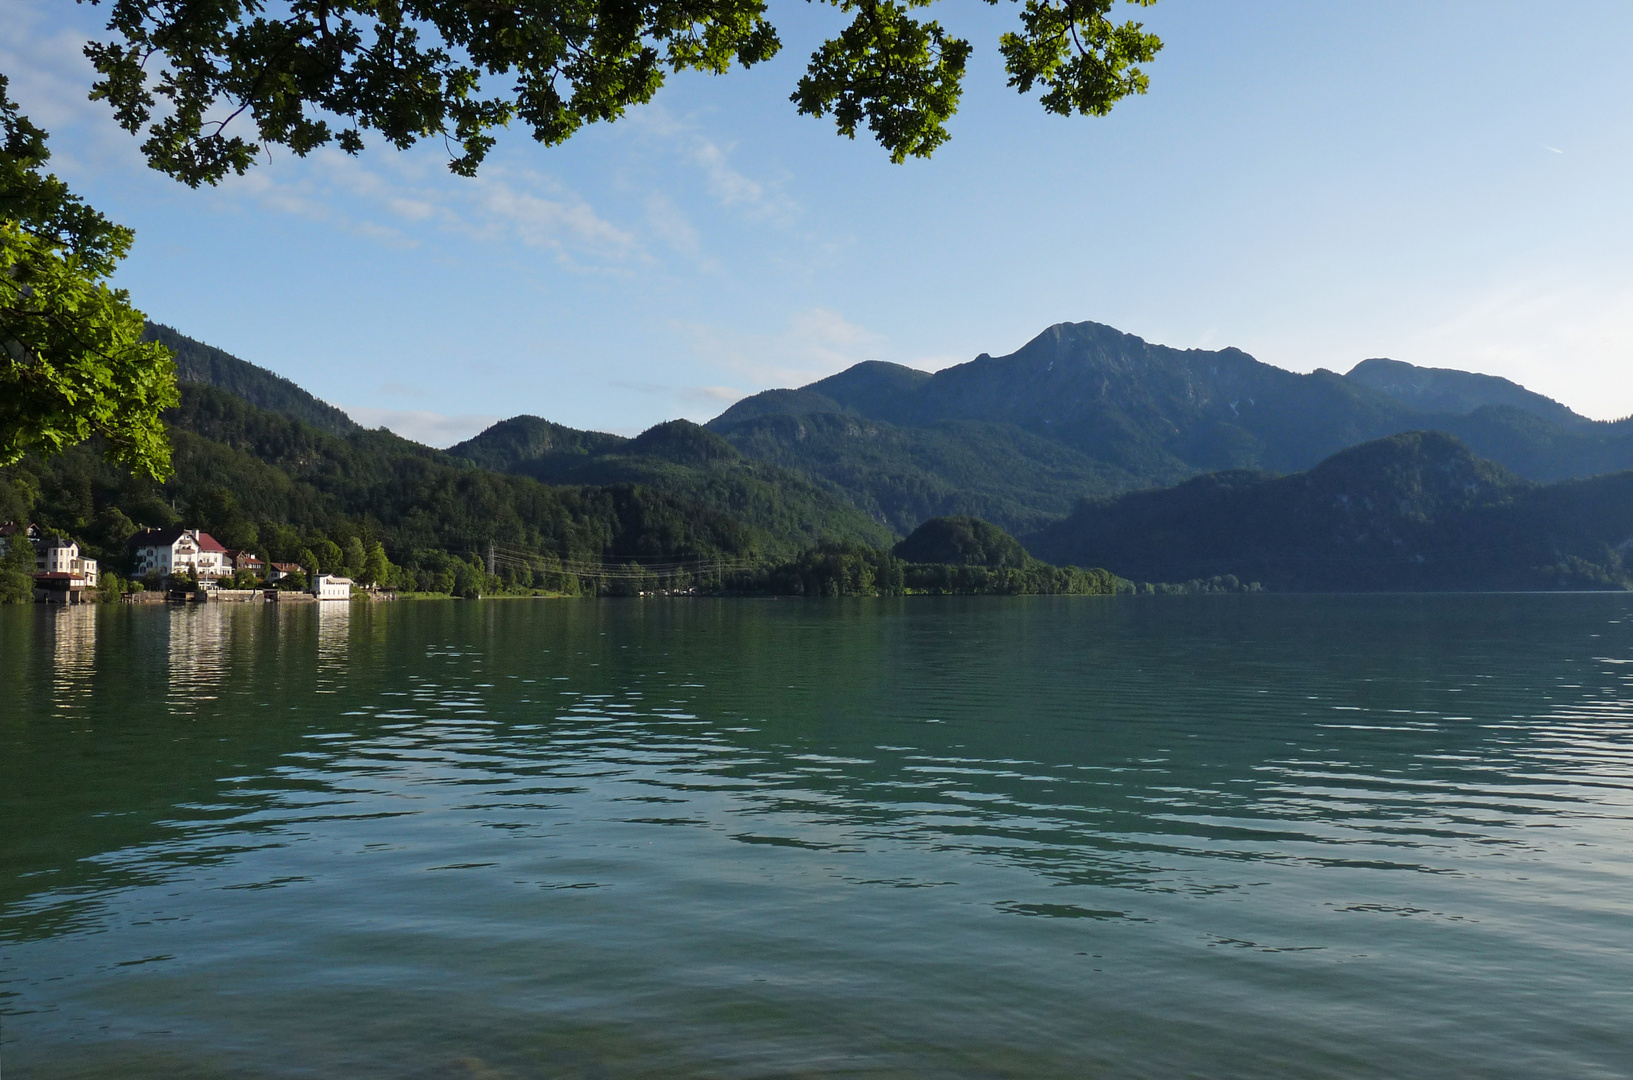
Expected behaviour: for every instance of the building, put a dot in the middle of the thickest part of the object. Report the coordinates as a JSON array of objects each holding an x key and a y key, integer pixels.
[
  {"x": 175, "y": 551},
  {"x": 246, "y": 561},
  {"x": 59, "y": 555},
  {"x": 330, "y": 587},
  {"x": 279, "y": 570},
  {"x": 10, "y": 529},
  {"x": 61, "y": 573}
]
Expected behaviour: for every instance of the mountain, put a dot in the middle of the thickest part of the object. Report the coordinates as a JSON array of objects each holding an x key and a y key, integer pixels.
[
  {"x": 1445, "y": 390},
  {"x": 905, "y": 475},
  {"x": 962, "y": 541},
  {"x": 263, "y": 480},
  {"x": 1411, "y": 511},
  {"x": 524, "y": 439},
  {"x": 1084, "y": 406},
  {"x": 206, "y": 365},
  {"x": 686, "y": 460}
]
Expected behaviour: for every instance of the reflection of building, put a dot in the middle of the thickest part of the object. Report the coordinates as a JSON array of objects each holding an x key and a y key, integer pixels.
[
  {"x": 334, "y": 644},
  {"x": 62, "y": 574},
  {"x": 197, "y": 652},
  {"x": 73, "y": 656},
  {"x": 330, "y": 587},
  {"x": 171, "y": 551}
]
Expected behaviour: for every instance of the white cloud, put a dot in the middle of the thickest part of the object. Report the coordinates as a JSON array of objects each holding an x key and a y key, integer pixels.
[
  {"x": 430, "y": 428},
  {"x": 735, "y": 189},
  {"x": 731, "y": 187},
  {"x": 671, "y": 224},
  {"x": 1566, "y": 339},
  {"x": 725, "y": 395},
  {"x": 817, "y": 342},
  {"x": 698, "y": 403},
  {"x": 500, "y": 205}
]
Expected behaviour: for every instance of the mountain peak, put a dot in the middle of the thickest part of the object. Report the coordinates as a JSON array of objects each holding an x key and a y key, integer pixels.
[
  {"x": 510, "y": 443},
  {"x": 1446, "y": 390}
]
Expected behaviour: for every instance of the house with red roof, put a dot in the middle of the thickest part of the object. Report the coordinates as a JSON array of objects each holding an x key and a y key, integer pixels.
[{"x": 175, "y": 551}]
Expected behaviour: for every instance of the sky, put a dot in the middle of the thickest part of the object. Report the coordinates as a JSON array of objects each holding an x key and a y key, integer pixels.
[{"x": 1445, "y": 183}]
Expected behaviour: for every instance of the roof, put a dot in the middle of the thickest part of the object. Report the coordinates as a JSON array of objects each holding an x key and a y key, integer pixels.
[
  {"x": 288, "y": 567},
  {"x": 237, "y": 554},
  {"x": 156, "y": 537},
  {"x": 335, "y": 579},
  {"x": 168, "y": 537},
  {"x": 58, "y": 575}
]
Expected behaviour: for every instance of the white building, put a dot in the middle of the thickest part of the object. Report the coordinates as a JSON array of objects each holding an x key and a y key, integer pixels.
[
  {"x": 175, "y": 551},
  {"x": 61, "y": 572},
  {"x": 60, "y": 555},
  {"x": 330, "y": 587}
]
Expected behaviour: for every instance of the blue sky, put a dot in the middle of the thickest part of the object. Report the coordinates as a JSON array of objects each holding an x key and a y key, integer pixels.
[{"x": 1446, "y": 183}]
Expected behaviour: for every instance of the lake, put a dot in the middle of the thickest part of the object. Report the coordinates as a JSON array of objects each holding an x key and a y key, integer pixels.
[{"x": 1214, "y": 836}]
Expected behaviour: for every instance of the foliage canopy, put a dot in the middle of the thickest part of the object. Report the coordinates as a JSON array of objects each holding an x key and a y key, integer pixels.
[
  {"x": 309, "y": 73},
  {"x": 72, "y": 362}
]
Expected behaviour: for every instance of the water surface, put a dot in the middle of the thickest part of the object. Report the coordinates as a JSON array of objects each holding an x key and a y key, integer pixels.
[{"x": 1255, "y": 836}]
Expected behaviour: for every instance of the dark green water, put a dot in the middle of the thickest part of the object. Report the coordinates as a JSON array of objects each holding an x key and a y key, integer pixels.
[{"x": 1251, "y": 836}]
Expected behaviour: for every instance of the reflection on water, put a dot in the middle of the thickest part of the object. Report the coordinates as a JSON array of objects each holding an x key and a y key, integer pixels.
[
  {"x": 334, "y": 638},
  {"x": 1224, "y": 836},
  {"x": 73, "y": 653},
  {"x": 199, "y": 638}
]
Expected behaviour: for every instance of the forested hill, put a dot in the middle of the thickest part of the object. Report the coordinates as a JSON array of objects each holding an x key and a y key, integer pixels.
[
  {"x": 1086, "y": 409},
  {"x": 1411, "y": 511},
  {"x": 207, "y": 365},
  {"x": 685, "y": 460},
  {"x": 262, "y": 480}
]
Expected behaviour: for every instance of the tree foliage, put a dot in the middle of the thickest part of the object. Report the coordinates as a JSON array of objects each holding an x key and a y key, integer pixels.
[
  {"x": 292, "y": 493},
  {"x": 1412, "y": 511},
  {"x": 210, "y": 83},
  {"x": 858, "y": 570},
  {"x": 16, "y": 569},
  {"x": 963, "y": 541},
  {"x": 72, "y": 362}
]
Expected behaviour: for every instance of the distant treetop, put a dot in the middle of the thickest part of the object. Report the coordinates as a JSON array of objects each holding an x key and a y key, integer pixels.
[{"x": 962, "y": 541}]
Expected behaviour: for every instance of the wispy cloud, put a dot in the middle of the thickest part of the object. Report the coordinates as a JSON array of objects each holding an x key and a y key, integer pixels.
[
  {"x": 760, "y": 199},
  {"x": 431, "y": 428},
  {"x": 672, "y": 225},
  {"x": 398, "y": 198},
  {"x": 816, "y": 342},
  {"x": 1570, "y": 340},
  {"x": 698, "y": 403}
]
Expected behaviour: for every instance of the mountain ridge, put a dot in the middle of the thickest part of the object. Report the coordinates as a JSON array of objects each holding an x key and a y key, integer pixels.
[
  {"x": 1128, "y": 414},
  {"x": 206, "y": 365},
  {"x": 1411, "y": 511}
]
